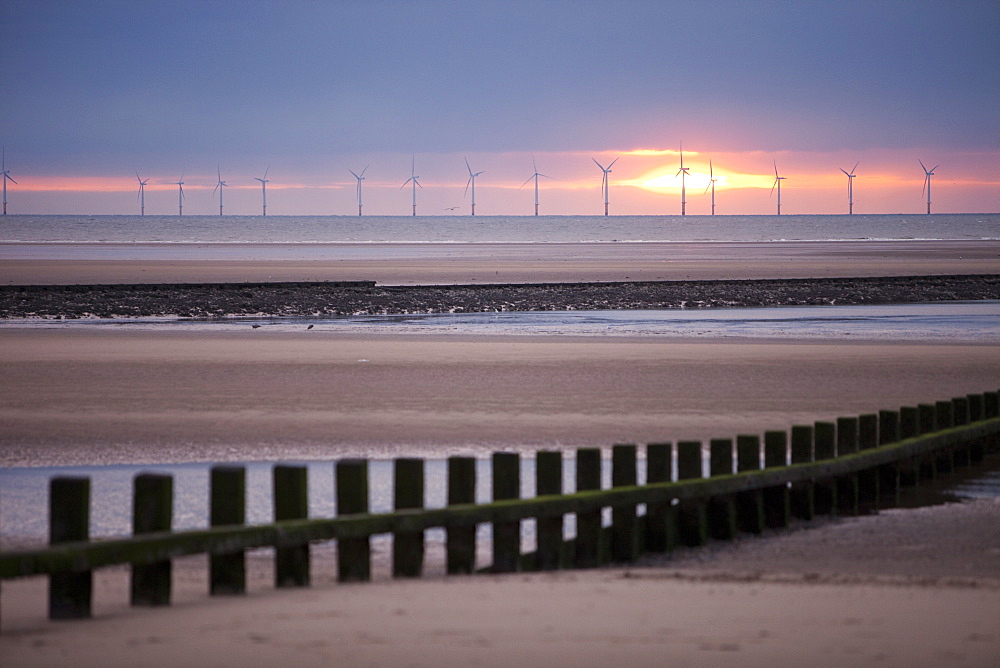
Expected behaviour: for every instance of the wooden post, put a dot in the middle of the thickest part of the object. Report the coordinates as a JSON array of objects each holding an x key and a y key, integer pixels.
[
  {"x": 802, "y": 452},
  {"x": 991, "y": 409},
  {"x": 624, "y": 523},
  {"x": 228, "y": 572},
  {"x": 945, "y": 419},
  {"x": 408, "y": 546},
  {"x": 888, "y": 474},
  {"x": 354, "y": 555},
  {"x": 506, "y": 535},
  {"x": 721, "y": 509},
  {"x": 69, "y": 521},
  {"x": 291, "y": 502},
  {"x": 548, "y": 482},
  {"x": 825, "y": 447},
  {"x": 847, "y": 485},
  {"x": 660, "y": 521},
  {"x": 588, "y": 524},
  {"x": 693, "y": 512},
  {"x": 927, "y": 414},
  {"x": 461, "y": 539},
  {"x": 749, "y": 505},
  {"x": 976, "y": 413},
  {"x": 909, "y": 426},
  {"x": 777, "y": 505},
  {"x": 960, "y": 416},
  {"x": 152, "y": 511}
]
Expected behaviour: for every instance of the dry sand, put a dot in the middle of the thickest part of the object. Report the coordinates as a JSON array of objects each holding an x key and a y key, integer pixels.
[{"x": 425, "y": 264}]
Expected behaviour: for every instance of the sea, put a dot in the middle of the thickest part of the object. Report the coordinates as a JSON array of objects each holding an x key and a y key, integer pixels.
[{"x": 101, "y": 229}]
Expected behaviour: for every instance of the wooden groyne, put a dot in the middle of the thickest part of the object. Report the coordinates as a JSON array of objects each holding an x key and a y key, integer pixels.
[{"x": 694, "y": 492}]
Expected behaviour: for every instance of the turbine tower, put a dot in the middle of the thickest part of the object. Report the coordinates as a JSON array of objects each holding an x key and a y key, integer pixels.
[
  {"x": 683, "y": 172},
  {"x": 850, "y": 187},
  {"x": 711, "y": 184},
  {"x": 928, "y": 173},
  {"x": 263, "y": 186},
  {"x": 535, "y": 177},
  {"x": 142, "y": 194},
  {"x": 605, "y": 182},
  {"x": 360, "y": 177},
  {"x": 416, "y": 183},
  {"x": 180, "y": 196},
  {"x": 219, "y": 186},
  {"x": 777, "y": 182},
  {"x": 5, "y": 173},
  {"x": 471, "y": 181}
]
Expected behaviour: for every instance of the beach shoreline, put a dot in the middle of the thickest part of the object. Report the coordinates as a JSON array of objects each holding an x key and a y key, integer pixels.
[{"x": 467, "y": 263}]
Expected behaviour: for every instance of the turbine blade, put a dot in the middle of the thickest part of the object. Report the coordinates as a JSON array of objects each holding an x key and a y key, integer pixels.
[
  {"x": 9, "y": 178},
  {"x": 613, "y": 162},
  {"x": 934, "y": 167},
  {"x": 365, "y": 170},
  {"x": 597, "y": 163},
  {"x": 526, "y": 182},
  {"x": 855, "y": 167},
  {"x": 353, "y": 174},
  {"x": 844, "y": 171},
  {"x": 922, "y": 165},
  {"x": 467, "y": 165}
]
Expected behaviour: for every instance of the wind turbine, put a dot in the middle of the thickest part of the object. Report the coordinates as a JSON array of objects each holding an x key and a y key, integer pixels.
[
  {"x": 711, "y": 184},
  {"x": 5, "y": 173},
  {"x": 605, "y": 180},
  {"x": 416, "y": 183},
  {"x": 850, "y": 187},
  {"x": 472, "y": 181},
  {"x": 535, "y": 177},
  {"x": 142, "y": 194},
  {"x": 219, "y": 186},
  {"x": 263, "y": 186},
  {"x": 360, "y": 177},
  {"x": 180, "y": 196},
  {"x": 777, "y": 182},
  {"x": 928, "y": 173},
  {"x": 683, "y": 172}
]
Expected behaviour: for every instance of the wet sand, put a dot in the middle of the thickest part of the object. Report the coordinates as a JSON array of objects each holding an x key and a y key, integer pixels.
[
  {"x": 459, "y": 263},
  {"x": 77, "y": 395}
]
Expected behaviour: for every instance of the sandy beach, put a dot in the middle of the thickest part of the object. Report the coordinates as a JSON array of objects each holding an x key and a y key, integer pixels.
[
  {"x": 905, "y": 587},
  {"x": 459, "y": 263}
]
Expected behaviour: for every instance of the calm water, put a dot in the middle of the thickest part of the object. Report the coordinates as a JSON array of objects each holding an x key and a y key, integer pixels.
[
  {"x": 966, "y": 322},
  {"x": 495, "y": 229}
]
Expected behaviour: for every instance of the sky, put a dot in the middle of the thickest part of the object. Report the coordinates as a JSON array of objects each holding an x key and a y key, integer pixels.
[{"x": 93, "y": 93}]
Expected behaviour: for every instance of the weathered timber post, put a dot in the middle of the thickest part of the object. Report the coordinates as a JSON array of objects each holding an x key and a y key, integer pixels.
[
  {"x": 693, "y": 512},
  {"x": 991, "y": 409},
  {"x": 69, "y": 521},
  {"x": 825, "y": 447},
  {"x": 408, "y": 493},
  {"x": 461, "y": 539},
  {"x": 976, "y": 413},
  {"x": 847, "y": 485},
  {"x": 506, "y": 535},
  {"x": 909, "y": 426},
  {"x": 945, "y": 419},
  {"x": 588, "y": 524},
  {"x": 152, "y": 511},
  {"x": 749, "y": 505},
  {"x": 868, "y": 480},
  {"x": 227, "y": 572},
  {"x": 888, "y": 474},
  {"x": 354, "y": 555},
  {"x": 624, "y": 523},
  {"x": 291, "y": 502},
  {"x": 777, "y": 509},
  {"x": 962, "y": 455},
  {"x": 548, "y": 482},
  {"x": 928, "y": 423},
  {"x": 802, "y": 493},
  {"x": 721, "y": 509},
  {"x": 660, "y": 517}
]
